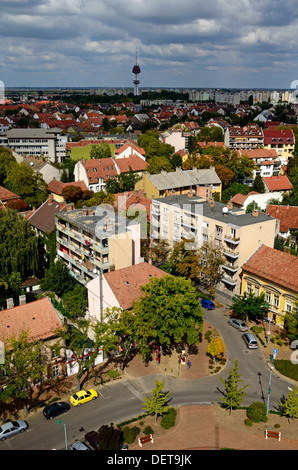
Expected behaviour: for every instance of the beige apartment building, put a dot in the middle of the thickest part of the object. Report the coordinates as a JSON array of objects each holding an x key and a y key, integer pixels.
[
  {"x": 238, "y": 234},
  {"x": 92, "y": 241}
]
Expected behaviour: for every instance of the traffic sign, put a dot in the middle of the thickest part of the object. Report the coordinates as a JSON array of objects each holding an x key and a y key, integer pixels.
[{"x": 274, "y": 353}]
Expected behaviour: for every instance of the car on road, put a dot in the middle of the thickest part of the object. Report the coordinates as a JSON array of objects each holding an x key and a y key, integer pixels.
[
  {"x": 207, "y": 304},
  {"x": 11, "y": 428},
  {"x": 78, "y": 445},
  {"x": 93, "y": 439},
  {"x": 83, "y": 396},
  {"x": 55, "y": 409},
  {"x": 250, "y": 340},
  {"x": 238, "y": 324}
]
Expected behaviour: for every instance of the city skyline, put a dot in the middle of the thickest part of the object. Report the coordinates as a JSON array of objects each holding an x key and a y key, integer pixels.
[{"x": 194, "y": 44}]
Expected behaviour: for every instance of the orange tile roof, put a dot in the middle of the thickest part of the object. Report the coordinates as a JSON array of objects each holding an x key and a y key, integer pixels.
[
  {"x": 133, "y": 162},
  {"x": 278, "y": 183},
  {"x": 126, "y": 282},
  {"x": 274, "y": 266},
  {"x": 288, "y": 216},
  {"x": 56, "y": 186},
  {"x": 38, "y": 318},
  {"x": 99, "y": 168},
  {"x": 6, "y": 195}
]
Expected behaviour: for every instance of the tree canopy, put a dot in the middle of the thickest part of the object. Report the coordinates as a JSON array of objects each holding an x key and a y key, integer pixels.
[{"x": 168, "y": 313}]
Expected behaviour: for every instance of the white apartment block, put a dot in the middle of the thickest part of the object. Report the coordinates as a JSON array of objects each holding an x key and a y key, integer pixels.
[
  {"x": 45, "y": 143},
  {"x": 238, "y": 234}
]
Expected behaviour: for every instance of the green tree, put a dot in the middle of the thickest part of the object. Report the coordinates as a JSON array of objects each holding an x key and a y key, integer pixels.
[
  {"x": 289, "y": 405},
  {"x": 212, "y": 259},
  {"x": 110, "y": 438},
  {"x": 24, "y": 364},
  {"x": 58, "y": 279},
  {"x": 258, "y": 184},
  {"x": 75, "y": 302},
  {"x": 6, "y": 160},
  {"x": 185, "y": 262},
  {"x": 100, "y": 151},
  {"x": 10, "y": 286},
  {"x": 157, "y": 404},
  {"x": 21, "y": 249},
  {"x": 250, "y": 306},
  {"x": 233, "y": 395},
  {"x": 29, "y": 185},
  {"x": 251, "y": 207},
  {"x": 168, "y": 313}
]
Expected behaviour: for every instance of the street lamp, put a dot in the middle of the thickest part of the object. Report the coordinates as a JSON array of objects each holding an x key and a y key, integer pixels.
[
  {"x": 272, "y": 357},
  {"x": 65, "y": 435}
]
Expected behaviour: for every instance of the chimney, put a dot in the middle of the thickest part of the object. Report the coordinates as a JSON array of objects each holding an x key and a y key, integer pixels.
[
  {"x": 230, "y": 205},
  {"x": 50, "y": 200},
  {"x": 22, "y": 299},
  {"x": 85, "y": 210},
  {"x": 255, "y": 213}
]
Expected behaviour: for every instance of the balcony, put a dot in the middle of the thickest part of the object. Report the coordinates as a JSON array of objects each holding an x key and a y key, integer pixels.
[
  {"x": 230, "y": 267},
  {"x": 233, "y": 240},
  {"x": 229, "y": 280},
  {"x": 231, "y": 253}
]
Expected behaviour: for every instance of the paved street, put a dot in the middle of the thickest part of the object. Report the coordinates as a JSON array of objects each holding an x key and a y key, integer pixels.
[{"x": 124, "y": 398}]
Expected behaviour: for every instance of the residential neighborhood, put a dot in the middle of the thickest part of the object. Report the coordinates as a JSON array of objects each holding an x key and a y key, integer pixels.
[{"x": 120, "y": 216}]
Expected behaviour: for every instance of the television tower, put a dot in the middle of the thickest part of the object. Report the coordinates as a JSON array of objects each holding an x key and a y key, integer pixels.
[{"x": 136, "y": 70}]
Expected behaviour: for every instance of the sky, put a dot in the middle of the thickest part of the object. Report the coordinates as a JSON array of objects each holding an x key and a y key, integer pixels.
[{"x": 179, "y": 43}]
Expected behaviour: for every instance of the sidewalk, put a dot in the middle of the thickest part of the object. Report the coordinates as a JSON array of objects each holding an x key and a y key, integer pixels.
[{"x": 197, "y": 427}]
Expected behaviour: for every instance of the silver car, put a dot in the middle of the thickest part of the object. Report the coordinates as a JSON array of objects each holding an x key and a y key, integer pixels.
[
  {"x": 78, "y": 445},
  {"x": 12, "y": 428},
  {"x": 238, "y": 324}
]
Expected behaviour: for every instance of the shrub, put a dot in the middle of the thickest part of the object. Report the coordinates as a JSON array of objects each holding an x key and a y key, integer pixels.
[
  {"x": 248, "y": 422},
  {"x": 110, "y": 438},
  {"x": 113, "y": 373},
  {"x": 148, "y": 430},
  {"x": 168, "y": 420},
  {"x": 129, "y": 434},
  {"x": 257, "y": 412}
]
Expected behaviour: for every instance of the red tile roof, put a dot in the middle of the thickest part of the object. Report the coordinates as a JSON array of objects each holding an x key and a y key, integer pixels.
[
  {"x": 6, "y": 195},
  {"x": 258, "y": 153},
  {"x": 134, "y": 199},
  {"x": 274, "y": 266},
  {"x": 135, "y": 163},
  {"x": 288, "y": 216},
  {"x": 126, "y": 283},
  {"x": 278, "y": 136},
  {"x": 56, "y": 186},
  {"x": 278, "y": 183},
  {"x": 99, "y": 168},
  {"x": 39, "y": 318}
]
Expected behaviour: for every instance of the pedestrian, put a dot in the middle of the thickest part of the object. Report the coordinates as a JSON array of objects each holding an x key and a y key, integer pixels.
[{"x": 188, "y": 364}]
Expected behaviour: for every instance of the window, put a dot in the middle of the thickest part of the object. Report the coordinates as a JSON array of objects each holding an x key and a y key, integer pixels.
[
  {"x": 288, "y": 306},
  {"x": 268, "y": 297},
  {"x": 55, "y": 371},
  {"x": 233, "y": 233},
  {"x": 276, "y": 301}
]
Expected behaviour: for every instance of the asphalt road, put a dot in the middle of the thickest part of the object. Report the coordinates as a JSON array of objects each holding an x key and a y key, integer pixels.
[{"x": 124, "y": 399}]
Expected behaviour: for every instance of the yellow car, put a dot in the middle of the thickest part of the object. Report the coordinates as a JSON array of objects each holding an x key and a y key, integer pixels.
[{"x": 83, "y": 396}]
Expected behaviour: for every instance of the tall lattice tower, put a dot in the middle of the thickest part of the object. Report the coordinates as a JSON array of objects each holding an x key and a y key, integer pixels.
[{"x": 136, "y": 70}]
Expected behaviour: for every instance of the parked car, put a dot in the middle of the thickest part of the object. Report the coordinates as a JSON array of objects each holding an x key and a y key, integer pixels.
[
  {"x": 55, "y": 409},
  {"x": 78, "y": 445},
  {"x": 92, "y": 439},
  {"x": 207, "y": 304},
  {"x": 238, "y": 324},
  {"x": 82, "y": 397},
  {"x": 250, "y": 340},
  {"x": 11, "y": 428}
]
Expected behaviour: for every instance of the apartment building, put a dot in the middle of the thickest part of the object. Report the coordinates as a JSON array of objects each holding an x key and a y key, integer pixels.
[
  {"x": 204, "y": 182},
  {"x": 275, "y": 274},
  {"x": 96, "y": 240},
  {"x": 193, "y": 218},
  {"x": 247, "y": 137},
  {"x": 267, "y": 163},
  {"x": 281, "y": 140},
  {"x": 47, "y": 143}
]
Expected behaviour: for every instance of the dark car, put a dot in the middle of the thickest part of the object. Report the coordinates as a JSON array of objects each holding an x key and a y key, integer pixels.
[
  {"x": 207, "y": 304},
  {"x": 92, "y": 439},
  {"x": 55, "y": 409}
]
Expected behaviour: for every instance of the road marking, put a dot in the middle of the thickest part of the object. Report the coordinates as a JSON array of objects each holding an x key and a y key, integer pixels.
[{"x": 134, "y": 391}]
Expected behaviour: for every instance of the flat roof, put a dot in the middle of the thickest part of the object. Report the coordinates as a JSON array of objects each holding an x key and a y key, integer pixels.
[{"x": 197, "y": 205}]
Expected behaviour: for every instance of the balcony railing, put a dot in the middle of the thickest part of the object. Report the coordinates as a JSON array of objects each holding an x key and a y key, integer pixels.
[{"x": 234, "y": 240}]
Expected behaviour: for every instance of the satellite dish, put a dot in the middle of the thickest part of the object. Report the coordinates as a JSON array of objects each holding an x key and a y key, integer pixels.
[{"x": 225, "y": 210}]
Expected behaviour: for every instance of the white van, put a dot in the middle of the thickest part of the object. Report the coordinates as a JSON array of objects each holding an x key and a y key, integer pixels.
[{"x": 250, "y": 340}]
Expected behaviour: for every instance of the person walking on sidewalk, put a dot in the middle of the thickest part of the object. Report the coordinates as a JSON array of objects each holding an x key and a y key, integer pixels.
[{"x": 188, "y": 364}]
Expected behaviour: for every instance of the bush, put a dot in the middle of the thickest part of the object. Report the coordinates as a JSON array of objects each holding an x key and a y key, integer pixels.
[
  {"x": 110, "y": 438},
  {"x": 148, "y": 430},
  {"x": 129, "y": 434},
  {"x": 257, "y": 412},
  {"x": 248, "y": 422},
  {"x": 168, "y": 420}
]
